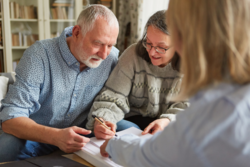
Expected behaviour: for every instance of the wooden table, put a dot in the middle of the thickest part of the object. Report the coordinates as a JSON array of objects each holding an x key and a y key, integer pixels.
[
  {"x": 73, "y": 157},
  {"x": 78, "y": 159}
]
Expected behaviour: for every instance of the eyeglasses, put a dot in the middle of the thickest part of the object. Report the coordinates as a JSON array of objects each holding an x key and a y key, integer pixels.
[{"x": 157, "y": 48}]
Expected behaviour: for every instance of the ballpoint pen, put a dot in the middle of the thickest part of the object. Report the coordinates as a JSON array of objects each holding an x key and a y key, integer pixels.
[{"x": 101, "y": 122}]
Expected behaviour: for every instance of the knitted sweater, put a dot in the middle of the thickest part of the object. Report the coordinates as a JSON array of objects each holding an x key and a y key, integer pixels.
[{"x": 136, "y": 87}]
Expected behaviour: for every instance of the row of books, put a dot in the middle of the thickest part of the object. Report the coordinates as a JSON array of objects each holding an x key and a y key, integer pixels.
[
  {"x": 20, "y": 39},
  {"x": 62, "y": 12},
  {"x": 18, "y": 11}
]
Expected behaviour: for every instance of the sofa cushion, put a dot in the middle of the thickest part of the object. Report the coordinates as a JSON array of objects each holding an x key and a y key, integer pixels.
[{"x": 5, "y": 80}]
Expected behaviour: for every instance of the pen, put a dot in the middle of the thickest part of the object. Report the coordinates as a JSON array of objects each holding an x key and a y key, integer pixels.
[{"x": 101, "y": 122}]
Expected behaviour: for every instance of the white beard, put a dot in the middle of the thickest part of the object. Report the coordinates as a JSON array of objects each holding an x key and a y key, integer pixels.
[
  {"x": 93, "y": 64},
  {"x": 88, "y": 62}
]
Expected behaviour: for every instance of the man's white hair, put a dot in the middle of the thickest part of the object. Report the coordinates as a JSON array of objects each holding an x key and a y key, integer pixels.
[{"x": 88, "y": 16}]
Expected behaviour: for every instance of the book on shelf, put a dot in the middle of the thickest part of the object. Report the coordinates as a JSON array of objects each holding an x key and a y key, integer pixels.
[
  {"x": 91, "y": 151},
  {"x": 12, "y": 13},
  {"x": 20, "y": 39},
  {"x": 18, "y": 11},
  {"x": 65, "y": 16},
  {"x": 60, "y": 12},
  {"x": 15, "y": 39},
  {"x": 53, "y": 13}
]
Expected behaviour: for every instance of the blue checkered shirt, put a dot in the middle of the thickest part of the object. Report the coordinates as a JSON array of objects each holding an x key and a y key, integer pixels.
[{"x": 50, "y": 89}]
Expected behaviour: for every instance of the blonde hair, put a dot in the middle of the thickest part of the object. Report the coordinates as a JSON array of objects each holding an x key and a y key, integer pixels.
[{"x": 215, "y": 42}]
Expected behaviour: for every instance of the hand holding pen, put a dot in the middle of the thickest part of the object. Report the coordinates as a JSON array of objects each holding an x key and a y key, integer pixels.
[{"x": 103, "y": 129}]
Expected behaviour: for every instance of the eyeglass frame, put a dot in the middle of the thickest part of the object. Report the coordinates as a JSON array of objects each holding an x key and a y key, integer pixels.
[{"x": 155, "y": 47}]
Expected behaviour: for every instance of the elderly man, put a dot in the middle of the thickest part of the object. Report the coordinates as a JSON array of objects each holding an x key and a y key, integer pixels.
[{"x": 56, "y": 82}]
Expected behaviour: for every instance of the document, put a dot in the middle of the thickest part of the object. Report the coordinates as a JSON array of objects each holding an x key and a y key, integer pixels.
[{"x": 91, "y": 151}]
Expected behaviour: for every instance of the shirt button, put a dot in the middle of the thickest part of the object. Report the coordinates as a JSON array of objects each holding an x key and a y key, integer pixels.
[
  {"x": 74, "y": 94},
  {"x": 68, "y": 115}
]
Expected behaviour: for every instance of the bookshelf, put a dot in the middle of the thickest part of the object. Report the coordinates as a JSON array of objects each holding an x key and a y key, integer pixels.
[
  {"x": 62, "y": 13},
  {"x": 22, "y": 22}
]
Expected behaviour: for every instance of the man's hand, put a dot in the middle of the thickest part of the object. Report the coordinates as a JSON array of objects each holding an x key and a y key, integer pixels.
[
  {"x": 155, "y": 126},
  {"x": 69, "y": 139},
  {"x": 103, "y": 133},
  {"x": 102, "y": 149}
]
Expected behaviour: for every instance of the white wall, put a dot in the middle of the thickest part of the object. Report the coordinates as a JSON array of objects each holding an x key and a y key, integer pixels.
[{"x": 150, "y": 7}]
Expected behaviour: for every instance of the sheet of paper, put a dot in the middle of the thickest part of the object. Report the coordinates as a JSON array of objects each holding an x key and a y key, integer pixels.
[
  {"x": 95, "y": 158},
  {"x": 91, "y": 151},
  {"x": 131, "y": 130},
  {"x": 134, "y": 131}
]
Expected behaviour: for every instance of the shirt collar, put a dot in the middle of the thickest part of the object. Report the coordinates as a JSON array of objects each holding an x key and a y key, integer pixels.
[{"x": 64, "y": 48}]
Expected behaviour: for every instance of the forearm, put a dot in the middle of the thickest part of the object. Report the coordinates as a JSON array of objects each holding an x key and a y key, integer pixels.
[
  {"x": 26, "y": 128},
  {"x": 171, "y": 117},
  {"x": 171, "y": 112},
  {"x": 108, "y": 111},
  {"x": 129, "y": 150}
]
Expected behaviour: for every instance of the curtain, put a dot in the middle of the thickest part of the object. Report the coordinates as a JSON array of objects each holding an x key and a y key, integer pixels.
[{"x": 132, "y": 17}]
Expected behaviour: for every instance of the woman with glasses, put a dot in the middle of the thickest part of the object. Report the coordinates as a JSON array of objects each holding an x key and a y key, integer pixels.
[{"x": 136, "y": 93}]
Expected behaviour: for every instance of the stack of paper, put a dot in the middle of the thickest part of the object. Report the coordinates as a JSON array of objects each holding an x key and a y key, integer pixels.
[{"x": 91, "y": 151}]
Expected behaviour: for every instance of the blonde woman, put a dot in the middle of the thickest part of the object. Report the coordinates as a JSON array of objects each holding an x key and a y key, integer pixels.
[{"x": 213, "y": 39}]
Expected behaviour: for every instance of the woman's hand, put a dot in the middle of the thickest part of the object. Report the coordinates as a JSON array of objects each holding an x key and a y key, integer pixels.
[
  {"x": 155, "y": 126},
  {"x": 102, "y": 149},
  {"x": 103, "y": 133}
]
